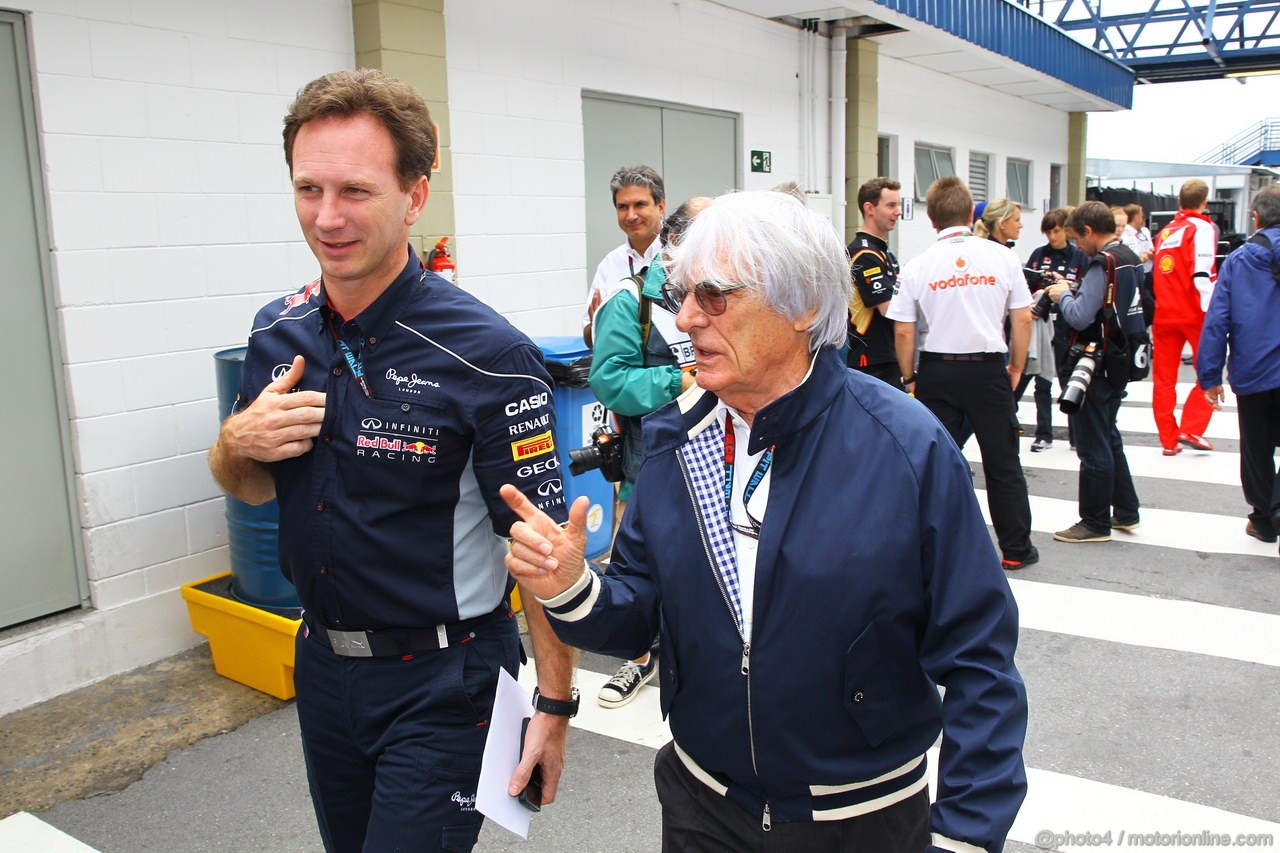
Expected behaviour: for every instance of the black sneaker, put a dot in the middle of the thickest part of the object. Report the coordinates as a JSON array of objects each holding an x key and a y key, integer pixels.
[
  {"x": 624, "y": 686},
  {"x": 1033, "y": 557},
  {"x": 1081, "y": 532}
]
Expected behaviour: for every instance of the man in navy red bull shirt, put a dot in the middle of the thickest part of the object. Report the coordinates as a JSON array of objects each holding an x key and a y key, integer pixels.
[{"x": 383, "y": 408}]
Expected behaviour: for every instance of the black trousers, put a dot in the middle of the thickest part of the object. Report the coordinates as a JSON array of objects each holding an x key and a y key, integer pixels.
[
  {"x": 695, "y": 819},
  {"x": 1259, "y": 434},
  {"x": 980, "y": 392}
]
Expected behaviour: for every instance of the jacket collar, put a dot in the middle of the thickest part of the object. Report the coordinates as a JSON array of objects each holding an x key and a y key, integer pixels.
[{"x": 695, "y": 410}]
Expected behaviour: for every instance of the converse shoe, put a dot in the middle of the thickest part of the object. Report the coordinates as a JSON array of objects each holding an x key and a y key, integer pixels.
[{"x": 624, "y": 686}]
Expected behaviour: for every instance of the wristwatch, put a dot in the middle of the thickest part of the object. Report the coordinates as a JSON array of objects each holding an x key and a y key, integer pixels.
[{"x": 556, "y": 707}]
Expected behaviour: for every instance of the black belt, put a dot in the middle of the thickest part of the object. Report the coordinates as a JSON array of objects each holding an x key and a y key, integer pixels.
[
  {"x": 398, "y": 642},
  {"x": 962, "y": 356}
]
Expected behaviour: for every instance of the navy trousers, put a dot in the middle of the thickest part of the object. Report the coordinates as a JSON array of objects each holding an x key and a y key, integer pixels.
[
  {"x": 1106, "y": 486},
  {"x": 393, "y": 746}
]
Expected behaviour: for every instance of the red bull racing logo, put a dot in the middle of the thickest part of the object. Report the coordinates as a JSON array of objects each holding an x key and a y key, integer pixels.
[{"x": 301, "y": 297}]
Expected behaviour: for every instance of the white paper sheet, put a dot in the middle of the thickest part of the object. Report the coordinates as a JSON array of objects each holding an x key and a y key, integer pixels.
[{"x": 511, "y": 706}]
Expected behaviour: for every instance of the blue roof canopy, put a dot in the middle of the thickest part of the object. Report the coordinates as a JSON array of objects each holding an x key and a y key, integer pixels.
[{"x": 1013, "y": 32}]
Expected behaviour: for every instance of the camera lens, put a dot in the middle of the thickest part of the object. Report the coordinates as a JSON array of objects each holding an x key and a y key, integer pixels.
[{"x": 584, "y": 459}]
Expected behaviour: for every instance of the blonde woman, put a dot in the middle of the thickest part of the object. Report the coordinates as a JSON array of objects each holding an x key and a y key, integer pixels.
[{"x": 999, "y": 220}]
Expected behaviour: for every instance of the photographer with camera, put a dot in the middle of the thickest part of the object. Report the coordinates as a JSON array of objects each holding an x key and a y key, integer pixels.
[
  {"x": 641, "y": 361},
  {"x": 1095, "y": 310}
]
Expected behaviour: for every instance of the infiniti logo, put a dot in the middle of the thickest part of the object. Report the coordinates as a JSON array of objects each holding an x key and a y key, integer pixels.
[
  {"x": 551, "y": 487},
  {"x": 371, "y": 423},
  {"x": 279, "y": 370}
]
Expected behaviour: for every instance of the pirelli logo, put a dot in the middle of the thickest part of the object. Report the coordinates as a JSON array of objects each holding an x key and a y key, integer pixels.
[{"x": 534, "y": 445}]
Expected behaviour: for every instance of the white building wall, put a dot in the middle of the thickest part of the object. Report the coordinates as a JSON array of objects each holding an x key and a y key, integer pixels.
[
  {"x": 515, "y": 104},
  {"x": 967, "y": 117},
  {"x": 171, "y": 222}
]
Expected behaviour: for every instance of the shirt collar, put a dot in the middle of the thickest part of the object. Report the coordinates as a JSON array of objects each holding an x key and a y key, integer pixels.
[
  {"x": 645, "y": 257},
  {"x": 955, "y": 231},
  {"x": 374, "y": 321}
]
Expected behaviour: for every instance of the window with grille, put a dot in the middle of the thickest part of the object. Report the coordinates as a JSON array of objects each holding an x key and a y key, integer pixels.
[{"x": 979, "y": 168}]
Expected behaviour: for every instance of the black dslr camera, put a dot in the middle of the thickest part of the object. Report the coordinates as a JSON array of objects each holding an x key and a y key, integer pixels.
[
  {"x": 1036, "y": 279},
  {"x": 604, "y": 452}
]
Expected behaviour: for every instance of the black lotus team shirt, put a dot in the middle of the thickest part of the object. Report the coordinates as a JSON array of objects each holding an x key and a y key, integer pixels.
[
  {"x": 875, "y": 277},
  {"x": 393, "y": 519}
]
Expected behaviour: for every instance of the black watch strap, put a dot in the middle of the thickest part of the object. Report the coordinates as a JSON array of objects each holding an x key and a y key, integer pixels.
[{"x": 556, "y": 707}]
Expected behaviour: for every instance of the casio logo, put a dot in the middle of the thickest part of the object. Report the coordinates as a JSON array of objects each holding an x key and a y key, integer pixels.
[{"x": 537, "y": 401}]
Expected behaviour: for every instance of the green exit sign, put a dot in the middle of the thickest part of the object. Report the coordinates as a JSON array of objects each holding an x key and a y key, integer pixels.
[{"x": 762, "y": 161}]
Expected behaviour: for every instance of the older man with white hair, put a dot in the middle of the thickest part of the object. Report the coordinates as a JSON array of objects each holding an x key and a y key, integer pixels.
[{"x": 802, "y": 651}]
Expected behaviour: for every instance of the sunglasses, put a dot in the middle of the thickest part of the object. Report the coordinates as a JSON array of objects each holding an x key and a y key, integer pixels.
[{"x": 711, "y": 297}]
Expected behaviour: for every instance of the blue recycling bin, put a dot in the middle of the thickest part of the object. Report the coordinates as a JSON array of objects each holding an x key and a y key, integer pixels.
[
  {"x": 578, "y": 413},
  {"x": 252, "y": 531}
]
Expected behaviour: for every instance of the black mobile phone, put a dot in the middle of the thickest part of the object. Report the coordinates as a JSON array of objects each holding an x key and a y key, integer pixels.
[{"x": 531, "y": 796}]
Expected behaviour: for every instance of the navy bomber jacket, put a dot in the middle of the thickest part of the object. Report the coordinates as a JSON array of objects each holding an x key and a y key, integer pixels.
[
  {"x": 857, "y": 618},
  {"x": 393, "y": 519}
]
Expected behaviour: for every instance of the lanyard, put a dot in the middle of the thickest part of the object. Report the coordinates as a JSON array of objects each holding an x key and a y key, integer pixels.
[
  {"x": 762, "y": 467},
  {"x": 353, "y": 361}
]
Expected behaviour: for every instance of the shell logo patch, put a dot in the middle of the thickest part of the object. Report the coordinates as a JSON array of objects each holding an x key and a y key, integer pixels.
[{"x": 1166, "y": 263}]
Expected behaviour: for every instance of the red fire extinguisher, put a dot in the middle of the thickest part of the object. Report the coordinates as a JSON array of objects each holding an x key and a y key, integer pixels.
[{"x": 439, "y": 262}]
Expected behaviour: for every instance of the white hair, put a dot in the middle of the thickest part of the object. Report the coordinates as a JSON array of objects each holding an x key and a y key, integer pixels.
[{"x": 775, "y": 245}]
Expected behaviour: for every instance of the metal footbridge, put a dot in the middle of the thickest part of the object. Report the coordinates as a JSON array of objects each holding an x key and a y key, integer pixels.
[{"x": 1166, "y": 41}]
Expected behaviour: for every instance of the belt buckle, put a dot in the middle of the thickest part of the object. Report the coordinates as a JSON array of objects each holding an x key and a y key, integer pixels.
[{"x": 352, "y": 644}]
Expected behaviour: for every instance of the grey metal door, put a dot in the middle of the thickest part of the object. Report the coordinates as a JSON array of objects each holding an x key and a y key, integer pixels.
[
  {"x": 38, "y": 570},
  {"x": 695, "y": 151}
]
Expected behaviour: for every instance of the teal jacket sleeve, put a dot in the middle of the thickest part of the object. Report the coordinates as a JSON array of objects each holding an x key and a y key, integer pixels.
[{"x": 618, "y": 375}]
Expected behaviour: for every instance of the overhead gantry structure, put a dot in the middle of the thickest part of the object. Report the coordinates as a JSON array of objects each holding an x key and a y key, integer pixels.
[{"x": 1167, "y": 41}]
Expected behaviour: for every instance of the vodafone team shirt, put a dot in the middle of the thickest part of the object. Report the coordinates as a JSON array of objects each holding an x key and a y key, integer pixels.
[{"x": 959, "y": 290}]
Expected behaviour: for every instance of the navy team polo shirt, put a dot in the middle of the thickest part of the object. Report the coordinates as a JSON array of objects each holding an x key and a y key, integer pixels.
[{"x": 393, "y": 519}]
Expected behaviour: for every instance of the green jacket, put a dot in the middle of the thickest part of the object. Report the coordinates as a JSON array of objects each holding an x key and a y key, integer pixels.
[{"x": 621, "y": 377}]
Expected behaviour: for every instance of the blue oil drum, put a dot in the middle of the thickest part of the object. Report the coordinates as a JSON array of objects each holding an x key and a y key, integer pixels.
[
  {"x": 578, "y": 413},
  {"x": 252, "y": 531}
]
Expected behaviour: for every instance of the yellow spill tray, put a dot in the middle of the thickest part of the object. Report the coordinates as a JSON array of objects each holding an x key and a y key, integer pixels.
[{"x": 250, "y": 644}]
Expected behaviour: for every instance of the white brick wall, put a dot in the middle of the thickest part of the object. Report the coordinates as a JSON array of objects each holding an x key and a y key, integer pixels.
[
  {"x": 171, "y": 222},
  {"x": 515, "y": 104}
]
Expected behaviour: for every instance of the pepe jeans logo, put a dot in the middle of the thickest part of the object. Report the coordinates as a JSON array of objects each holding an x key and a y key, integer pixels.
[
  {"x": 465, "y": 803},
  {"x": 409, "y": 383}
]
